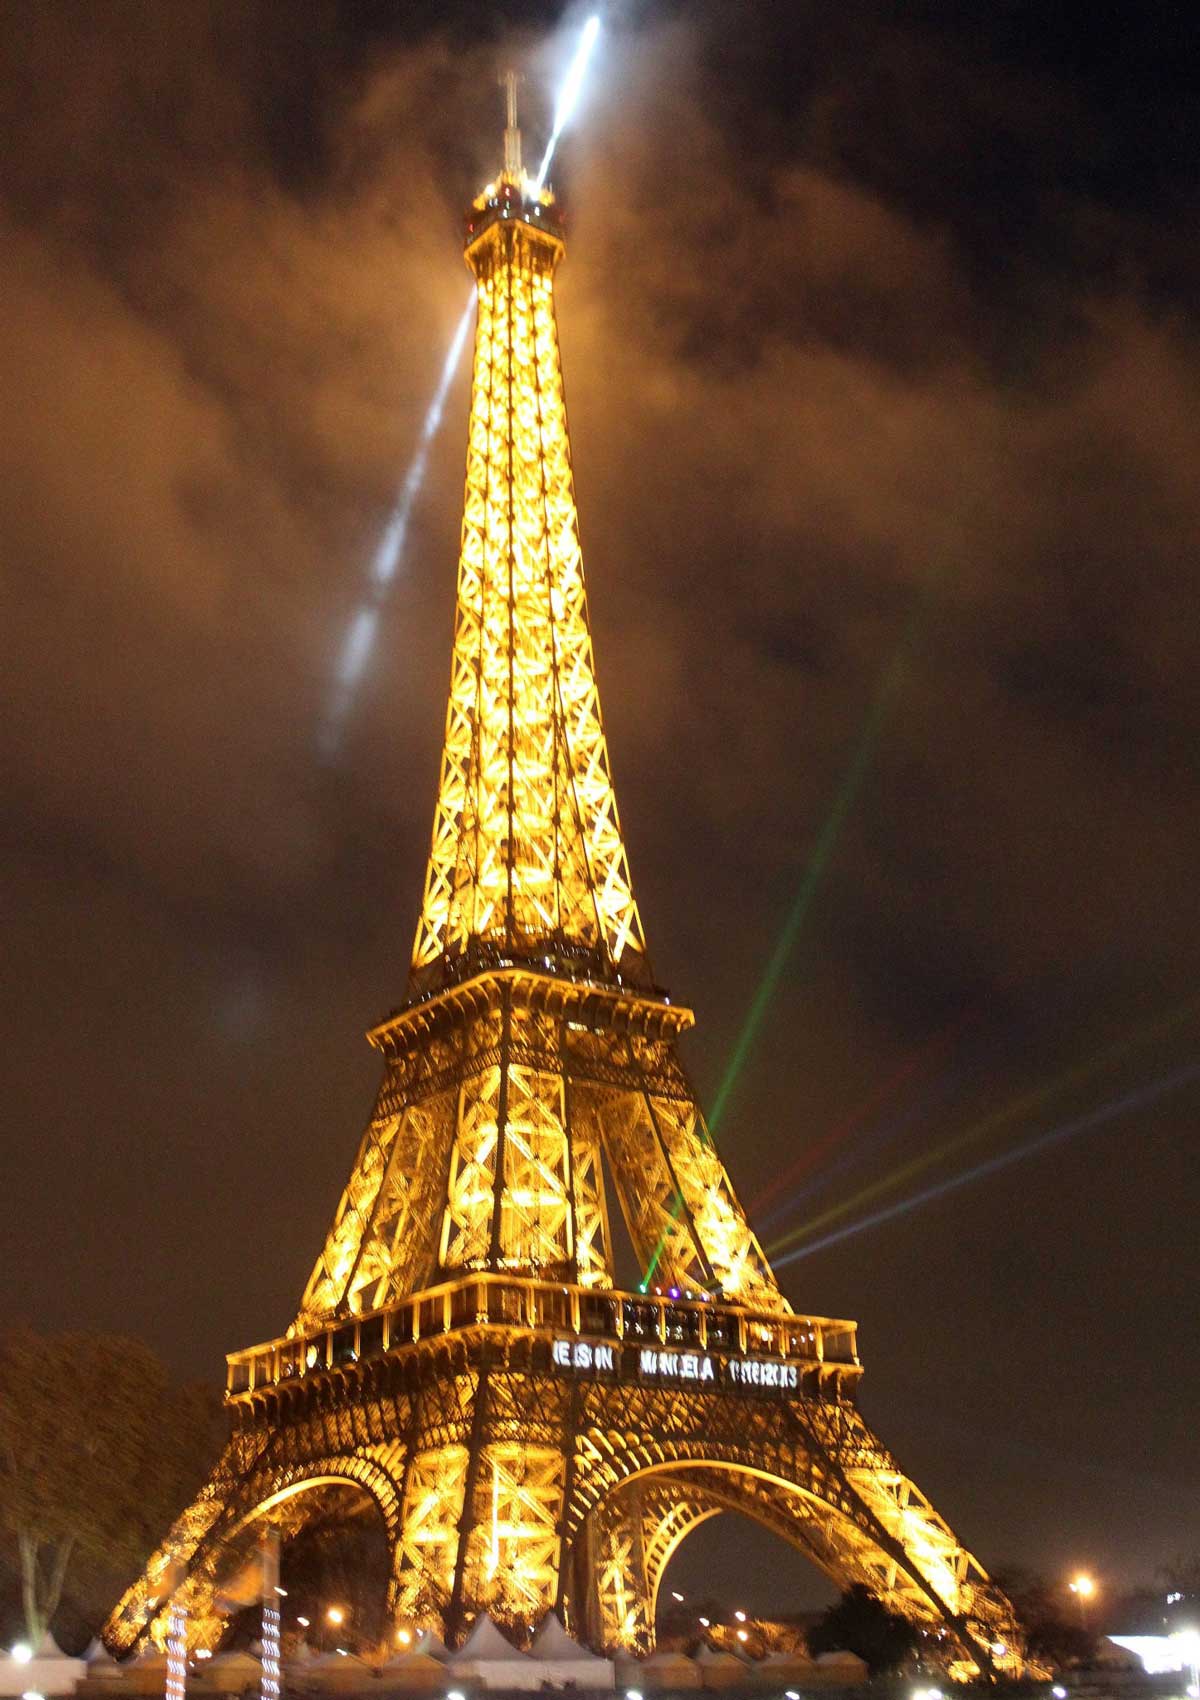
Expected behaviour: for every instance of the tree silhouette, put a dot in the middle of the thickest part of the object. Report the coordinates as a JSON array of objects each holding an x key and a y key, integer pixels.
[
  {"x": 1053, "y": 1633},
  {"x": 860, "y": 1624},
  {"x": 98, "y": 1453}
]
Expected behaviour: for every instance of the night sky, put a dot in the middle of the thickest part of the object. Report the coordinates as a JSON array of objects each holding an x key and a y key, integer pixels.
[{"x": 881, "y": 347}]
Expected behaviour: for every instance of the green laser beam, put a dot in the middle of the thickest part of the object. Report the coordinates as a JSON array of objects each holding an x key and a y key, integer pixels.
[
  {"x": 676, "y": 1207},
  {"x": 864, "y": 750},
  {"x": 818, "y": 862},
  {"x": 1030, "y": 1101}
]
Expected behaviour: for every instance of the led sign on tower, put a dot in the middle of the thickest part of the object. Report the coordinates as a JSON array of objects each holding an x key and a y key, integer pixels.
[{"x": 655, "y": 1363}]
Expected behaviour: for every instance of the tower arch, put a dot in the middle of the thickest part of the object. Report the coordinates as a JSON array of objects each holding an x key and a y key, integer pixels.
[
  {"x": 631, "y": 1520},
  {"x": 209, "y": 1550}
]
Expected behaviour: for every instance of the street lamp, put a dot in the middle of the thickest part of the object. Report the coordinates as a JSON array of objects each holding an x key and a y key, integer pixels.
[
  {"x": 1083, "y": 1587},
  {"x": 335, "y": 1614}
]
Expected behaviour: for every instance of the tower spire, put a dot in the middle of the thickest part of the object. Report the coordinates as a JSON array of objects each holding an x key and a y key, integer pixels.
[
  {"x": 512, "y": 135},
  {"x": 527, "y": 860}
]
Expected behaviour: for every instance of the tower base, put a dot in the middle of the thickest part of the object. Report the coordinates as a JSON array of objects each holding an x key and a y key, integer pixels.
[{"x": 534, "y": 1446}]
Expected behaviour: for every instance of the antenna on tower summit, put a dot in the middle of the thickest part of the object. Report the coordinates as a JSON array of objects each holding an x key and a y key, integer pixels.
[{"x": 512, "y": 134}]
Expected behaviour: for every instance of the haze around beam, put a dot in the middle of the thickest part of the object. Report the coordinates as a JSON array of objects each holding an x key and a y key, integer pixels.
[{"x": 361, "y": 634}]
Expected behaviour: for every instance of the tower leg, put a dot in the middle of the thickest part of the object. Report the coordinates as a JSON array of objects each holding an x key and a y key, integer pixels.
[{"x": 615, "y": 1585}]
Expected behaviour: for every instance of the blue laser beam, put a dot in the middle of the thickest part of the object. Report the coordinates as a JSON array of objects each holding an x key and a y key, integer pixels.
[
  {"x": 930, "y": 1096},
  {"x": 1094, "y": 1118}
]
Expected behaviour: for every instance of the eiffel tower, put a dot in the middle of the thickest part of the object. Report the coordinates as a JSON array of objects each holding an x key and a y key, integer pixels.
[{"x": 532, "y": 1436}]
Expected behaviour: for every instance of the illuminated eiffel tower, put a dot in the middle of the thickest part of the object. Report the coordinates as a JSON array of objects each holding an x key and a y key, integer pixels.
[{"x": 531, "y": 1436}]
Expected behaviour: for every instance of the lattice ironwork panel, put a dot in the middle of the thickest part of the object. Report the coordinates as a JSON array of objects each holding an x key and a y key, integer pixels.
[{"x": 526, "y": 843}]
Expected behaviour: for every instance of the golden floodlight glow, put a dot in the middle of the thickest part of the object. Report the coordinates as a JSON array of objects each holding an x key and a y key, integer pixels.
[
  {"x": 533, "y": 1439},
  {"x": 527, "y": 846}
]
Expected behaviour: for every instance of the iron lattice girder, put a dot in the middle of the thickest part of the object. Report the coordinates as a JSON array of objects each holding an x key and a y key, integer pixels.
[
  {"x": 502, "y": 1097},
  {"x": 526, "y": 845},
  {"x": 498, "y": 1475}
]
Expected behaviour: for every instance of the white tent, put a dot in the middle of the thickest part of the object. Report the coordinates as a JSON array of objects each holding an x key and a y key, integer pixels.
[
  {"x": 661, "y": 1672},
  {"x": 49, "y": 1671},
  {"x": 297, "y": 1661},
  {"x": 488, "y": 1658},
  {"x": 720, "y": 1668},
  {"x": 103, "y": 1671},
  {"x": 780, "y": 1669},
  {"x": 411, "y": 1672},
  {"x": 147, "y": 1673},
  {"x": 230, "y": 1673},
  {"x": 428, "y": 1642},
  {"x": 563, "y": 1661},
  {"x": 331, "y": 1673},
  {"x": 841, "y": 1666}
]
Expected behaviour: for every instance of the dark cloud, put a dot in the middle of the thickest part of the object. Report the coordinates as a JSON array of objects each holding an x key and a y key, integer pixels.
[{"x": 870, "y": 328}]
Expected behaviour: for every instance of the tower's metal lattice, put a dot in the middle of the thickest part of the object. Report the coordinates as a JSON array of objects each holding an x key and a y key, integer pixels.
[{"x": 531, "y": 1436}]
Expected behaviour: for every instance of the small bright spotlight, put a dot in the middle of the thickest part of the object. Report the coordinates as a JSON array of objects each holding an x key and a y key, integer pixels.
[
  {"x": 630, "y": 1694},
  {"x": 742, "y": 1635},
  {"x": 204, "y": 1652},
  {"x": 282, "y": 1592},
  {"x": 457, "y": 1694},
  {"x": 303, "y": 1622},
  {"x": 335, "y": 1614},
  {"x": 341, "y": 1652},
  {"x": 740, "y": 1615},
  {"x": 1059, "y": 1692},
  {"x": 22, "y": 1652},
  {"x": 569, "y": 94},
  {"x": 705, "y": 1623},
  {"x": 676, "y": 1595},
  {"x": 998, "y": 1649},
  {"x": 1083, "y": 1585},
  {"x": 791, "y": 1694},
  {"x": 32, "y": 1694}
]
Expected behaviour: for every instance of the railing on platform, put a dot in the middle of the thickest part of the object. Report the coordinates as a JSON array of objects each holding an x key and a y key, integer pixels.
[{"x": 542, "y": 1307}]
